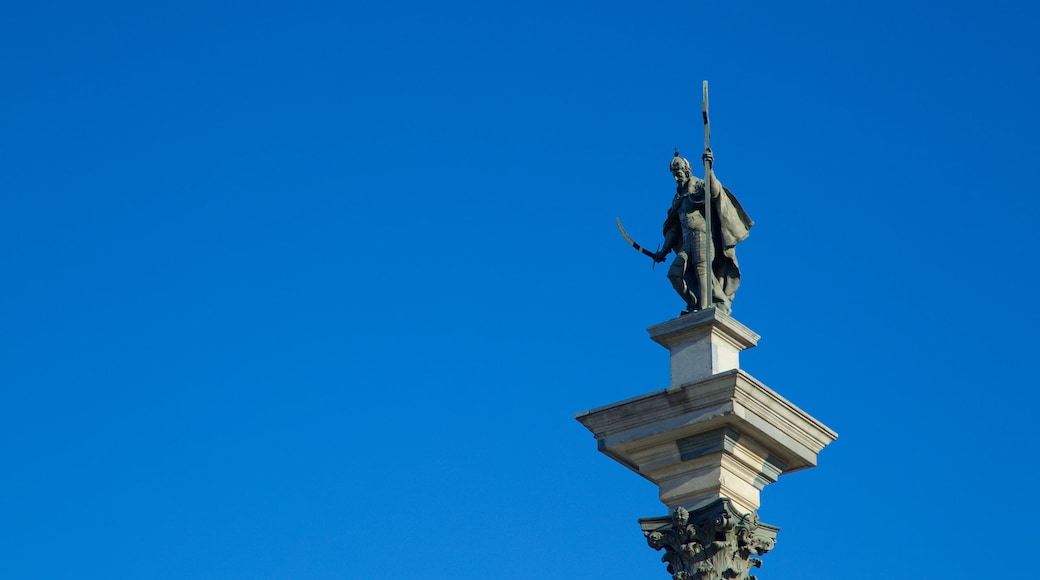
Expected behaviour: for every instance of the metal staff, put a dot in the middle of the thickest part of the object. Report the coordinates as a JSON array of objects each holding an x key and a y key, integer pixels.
[{"x": 707, "y": 296}]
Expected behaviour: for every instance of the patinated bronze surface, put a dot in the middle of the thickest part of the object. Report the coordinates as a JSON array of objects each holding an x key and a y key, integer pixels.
[{"x": 685, "y": 233}]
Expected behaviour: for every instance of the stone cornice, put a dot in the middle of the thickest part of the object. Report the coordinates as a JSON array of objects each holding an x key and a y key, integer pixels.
[
  {"x": 707, "y": 321},
  {"x": 732, "y": 397}
]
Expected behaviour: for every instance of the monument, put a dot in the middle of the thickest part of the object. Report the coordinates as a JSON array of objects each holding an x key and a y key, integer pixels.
[{"x": 716, "y": 436}]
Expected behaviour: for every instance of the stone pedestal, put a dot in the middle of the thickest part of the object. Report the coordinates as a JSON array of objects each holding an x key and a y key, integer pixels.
[
  {"x": 716, "y": 436},
  {"x": 702, "y": 344}
]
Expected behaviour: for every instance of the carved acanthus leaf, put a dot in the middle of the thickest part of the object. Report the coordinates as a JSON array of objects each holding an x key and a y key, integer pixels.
[{"x": 713, "y": 543}]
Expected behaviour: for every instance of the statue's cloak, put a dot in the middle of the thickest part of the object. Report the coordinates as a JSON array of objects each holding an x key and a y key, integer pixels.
[{"x": 730, "y": 225}]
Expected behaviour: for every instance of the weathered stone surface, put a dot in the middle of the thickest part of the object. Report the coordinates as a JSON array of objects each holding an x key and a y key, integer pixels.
[
  {"x": 725, "y": 436},
  {"x": 716, "y": 542},
  {"x": 702, "y": 344}
]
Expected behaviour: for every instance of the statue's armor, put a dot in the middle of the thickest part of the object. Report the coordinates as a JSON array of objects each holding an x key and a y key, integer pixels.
[
  {"x": 687, "y": 270},
  {"x": 691, "y": 207}
]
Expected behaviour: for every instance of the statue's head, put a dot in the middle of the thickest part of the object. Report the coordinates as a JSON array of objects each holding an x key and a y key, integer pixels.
[{"x": 680, "y": 168}]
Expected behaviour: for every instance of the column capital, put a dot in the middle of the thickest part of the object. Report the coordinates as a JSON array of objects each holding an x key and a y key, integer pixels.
[{"x": 716, "y": 542}]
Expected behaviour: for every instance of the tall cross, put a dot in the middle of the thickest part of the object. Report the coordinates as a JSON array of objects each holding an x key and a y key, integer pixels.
[{"x": 707, "y": 297}]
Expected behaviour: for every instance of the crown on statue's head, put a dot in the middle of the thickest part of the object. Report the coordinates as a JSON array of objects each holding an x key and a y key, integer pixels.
[{"x": 679, "y": 163}]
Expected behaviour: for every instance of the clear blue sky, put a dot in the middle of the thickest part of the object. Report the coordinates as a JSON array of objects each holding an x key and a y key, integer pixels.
[{"x": 315, "y": 290}]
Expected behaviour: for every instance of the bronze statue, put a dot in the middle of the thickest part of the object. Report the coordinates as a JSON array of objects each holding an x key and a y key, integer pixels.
[
  {"x": 690, "y": 222},
  {"x": 685, "y": 232}
]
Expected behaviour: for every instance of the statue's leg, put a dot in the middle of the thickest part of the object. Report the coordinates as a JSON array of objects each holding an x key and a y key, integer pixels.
[
  {"x": 721, "y": 299},
  {"x": 679, "y": 275},
  {"x": 694, "y": 246}
]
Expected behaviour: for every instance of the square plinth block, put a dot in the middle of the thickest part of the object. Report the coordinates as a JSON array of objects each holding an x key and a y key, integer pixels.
[{"x": 702, "y": 344}]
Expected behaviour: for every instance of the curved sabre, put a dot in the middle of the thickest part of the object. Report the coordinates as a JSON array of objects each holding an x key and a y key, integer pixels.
[{"x": 645, "y": 251}]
